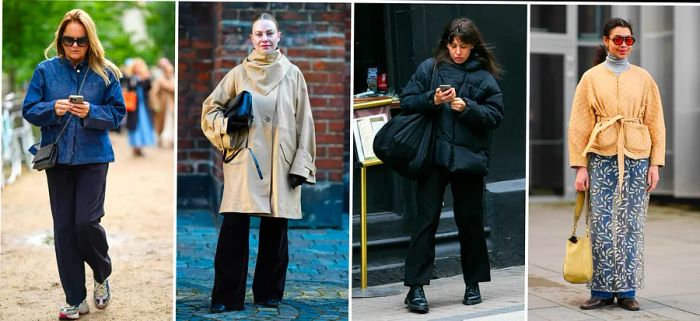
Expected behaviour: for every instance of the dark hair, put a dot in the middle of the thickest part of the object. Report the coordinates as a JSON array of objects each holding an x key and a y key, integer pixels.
[
  {"x": 466, "y": 31},
  {"x": 265, "y": 16},
  {"x": 613, "y": 23}
]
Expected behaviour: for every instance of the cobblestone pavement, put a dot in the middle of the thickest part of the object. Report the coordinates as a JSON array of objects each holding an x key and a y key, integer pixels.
[
  {"x": 503, "y": 300},
  {"x": 317, "y": 277}
]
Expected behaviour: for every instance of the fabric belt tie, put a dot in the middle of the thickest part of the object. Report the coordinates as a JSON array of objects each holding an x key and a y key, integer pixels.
[{"x": 601, "y": 125}]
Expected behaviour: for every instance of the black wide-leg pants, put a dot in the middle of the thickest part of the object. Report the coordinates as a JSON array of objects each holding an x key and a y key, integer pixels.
[
  {"x": 231, "y": 260},
  {"x": 77, "y": 195},
  {"x": 468, "y": 192}
]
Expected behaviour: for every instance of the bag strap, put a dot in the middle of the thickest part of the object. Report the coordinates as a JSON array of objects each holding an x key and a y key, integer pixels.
[
  {"x": 80, "y": 89},
  {"x": 581, "y": 202},
  {"x": 237, "y": 150}
]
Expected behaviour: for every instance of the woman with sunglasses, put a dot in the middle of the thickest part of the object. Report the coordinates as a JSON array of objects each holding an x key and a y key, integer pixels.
[
  {"x": 264, "y": 180},
  {"x": 616, "y": 144},
  {"x": 77, "y": 182}
]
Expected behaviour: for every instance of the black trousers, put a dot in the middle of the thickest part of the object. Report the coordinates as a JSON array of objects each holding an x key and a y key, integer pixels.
[
  {"x": 468, "y": 191},
  {"x": 231, "y": 261},
  {"x": 77, "y": 195}
]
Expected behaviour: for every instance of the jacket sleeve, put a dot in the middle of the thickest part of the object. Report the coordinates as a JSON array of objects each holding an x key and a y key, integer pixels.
[
  {"x": 213, "y": 122},
  {"x": 485, "y": 112},
  {"x": 108, "y": 114},
  {"x": 417, "y": 96},
  {"x": 305, "y": 156},
  {"x": 34, "y": 109},
  {"x": 581, "y": 122},
  {"x": 654, "y": 119}
]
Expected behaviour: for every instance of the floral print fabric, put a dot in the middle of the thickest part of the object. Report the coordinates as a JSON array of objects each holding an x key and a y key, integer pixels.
[{"x": 617, "y": 223}]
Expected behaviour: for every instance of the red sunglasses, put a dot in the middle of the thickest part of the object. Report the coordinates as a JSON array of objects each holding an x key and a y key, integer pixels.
[{"x": 627, "y": 40}]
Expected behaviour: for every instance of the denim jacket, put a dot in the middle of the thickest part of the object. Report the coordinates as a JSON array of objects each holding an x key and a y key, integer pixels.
[{"x": 85, "y": 140}]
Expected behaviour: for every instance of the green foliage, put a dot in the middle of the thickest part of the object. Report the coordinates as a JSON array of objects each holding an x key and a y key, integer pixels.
[{"x": 29, "y": 27}]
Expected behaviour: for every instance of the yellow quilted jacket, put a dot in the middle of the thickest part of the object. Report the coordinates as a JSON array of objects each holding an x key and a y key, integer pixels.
[{"x": 617, "y": 115}]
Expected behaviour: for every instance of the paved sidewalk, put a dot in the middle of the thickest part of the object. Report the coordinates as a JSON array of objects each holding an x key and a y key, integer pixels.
[
  {"x": 503, "y": 300},
  {"x": 317, "y": 278},
  {"x": 672, "y": 264}
]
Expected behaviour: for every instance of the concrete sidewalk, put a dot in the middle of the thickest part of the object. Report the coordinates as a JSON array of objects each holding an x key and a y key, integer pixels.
[
  {"x": 503, "y": 300},
  {"x": 672, "y": 267}
]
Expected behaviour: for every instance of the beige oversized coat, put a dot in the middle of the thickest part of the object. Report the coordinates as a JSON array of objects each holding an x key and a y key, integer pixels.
[{"x": 281, "y": 136}]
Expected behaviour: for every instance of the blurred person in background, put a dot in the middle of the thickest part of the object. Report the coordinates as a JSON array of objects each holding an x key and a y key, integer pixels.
[
  {"x": 163, "y": 97},
  {"x": 138, "y": 119}
]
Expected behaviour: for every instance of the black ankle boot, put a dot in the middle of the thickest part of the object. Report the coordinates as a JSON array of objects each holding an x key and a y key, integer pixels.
[
  {"x": 472, "y": 295},
  {"x": 415, "y": 300}
]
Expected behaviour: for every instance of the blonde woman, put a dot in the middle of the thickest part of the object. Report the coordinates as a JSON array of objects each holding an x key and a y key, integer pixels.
[
  {"x": 77, "y": 181},
  {"x": 282, "y": 136}
]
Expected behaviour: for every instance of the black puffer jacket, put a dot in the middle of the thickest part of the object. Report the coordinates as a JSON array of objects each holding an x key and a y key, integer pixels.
[{"x": 463, "y": 138}]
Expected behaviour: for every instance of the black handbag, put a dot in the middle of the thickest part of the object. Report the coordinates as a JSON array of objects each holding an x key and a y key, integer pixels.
[
  {"x": 407, "y": 143},
  {"x": 47, "y": 155},
  {"x": 239, "y": 111}
]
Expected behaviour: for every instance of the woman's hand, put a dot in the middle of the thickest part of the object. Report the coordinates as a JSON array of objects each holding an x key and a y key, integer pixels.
[
  {"x": 652, "y": 178},
  {"x": 582, "y": 182},
  {"x": 61, "y": 107},
  {"x": 458, "y": 105},
  {"x": 80, "y": 110},
  {"x": 442, "y": 97}
]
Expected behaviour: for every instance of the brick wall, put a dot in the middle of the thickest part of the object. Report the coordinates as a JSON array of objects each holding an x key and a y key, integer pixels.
[{"x": 214, "y": 39}]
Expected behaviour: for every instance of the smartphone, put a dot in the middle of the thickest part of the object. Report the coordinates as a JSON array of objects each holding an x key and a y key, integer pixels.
[
  {"x": 75, "y": 99},
  {"x": 444, "y": 88}
]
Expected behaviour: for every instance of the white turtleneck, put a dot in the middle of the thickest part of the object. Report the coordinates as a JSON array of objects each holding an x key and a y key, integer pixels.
[{"x": 616, "y": 65}]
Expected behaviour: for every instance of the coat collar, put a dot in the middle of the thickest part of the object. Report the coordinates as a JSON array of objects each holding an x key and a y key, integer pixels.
[{"x": 266, "y": 71}]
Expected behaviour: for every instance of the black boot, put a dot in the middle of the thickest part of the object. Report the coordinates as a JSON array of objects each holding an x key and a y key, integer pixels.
[
  {"x": 415, "y": 300},
  {"x": 472, "y": 295}
]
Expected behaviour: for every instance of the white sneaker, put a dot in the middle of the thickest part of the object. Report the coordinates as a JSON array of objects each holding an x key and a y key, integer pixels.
[
  {"x": 73, "y": 312},
  {"x": 102, "y": 294}
]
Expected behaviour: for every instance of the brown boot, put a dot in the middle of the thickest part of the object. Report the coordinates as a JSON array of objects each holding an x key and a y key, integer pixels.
[
  {"x": 629, "y": 304},
  {"x": 596, "y": 303}
]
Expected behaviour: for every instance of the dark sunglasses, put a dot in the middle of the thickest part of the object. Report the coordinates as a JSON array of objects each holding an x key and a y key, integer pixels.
[
  {"x": 619, "y": 40},
  {"x": 69, "y": 41}
]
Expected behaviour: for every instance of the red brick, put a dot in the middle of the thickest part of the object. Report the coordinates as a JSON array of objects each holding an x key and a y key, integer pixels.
[
  {"x": 339, "y": 77},
  {"x": 330, "y": 16},
  {"x": 336, "y": 176},
  {"x": 337, "y": 125},
  {"x": 202, "y": 76},
  {"x": 198, "y": 155},
  {"x": 317, "y": 102},
  {"x": 320, "y": 65},
  {"x": 329, "y": 163},
  {"x": 320, "y": 77},
  {"x": 184, "y": 143},
  {"x": 183, "y": 168},
  {"x": 334, "y": 151},
  {"x": 329, "y": 139},
  {"x": 320, "y": 127},
  {"x": 201, "y": 44},
  {"x": 329, "y": 114},
  {"x": 289, "y": 16},
  {"x": 329, "y": 89},
  {"x": 321, "y": 176},
  {"x": 330, "y": 41}
]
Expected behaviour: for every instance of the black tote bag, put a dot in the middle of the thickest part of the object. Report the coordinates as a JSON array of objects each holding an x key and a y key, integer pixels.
[{"x": 406, "y": 144}]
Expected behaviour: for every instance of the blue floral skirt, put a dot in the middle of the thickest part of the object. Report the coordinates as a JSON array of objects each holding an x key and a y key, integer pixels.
[{"x": 617, "y": 223}]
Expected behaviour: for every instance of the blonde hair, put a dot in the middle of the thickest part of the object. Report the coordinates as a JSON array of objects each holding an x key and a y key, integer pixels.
[{"x": 95, "y": 54}]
